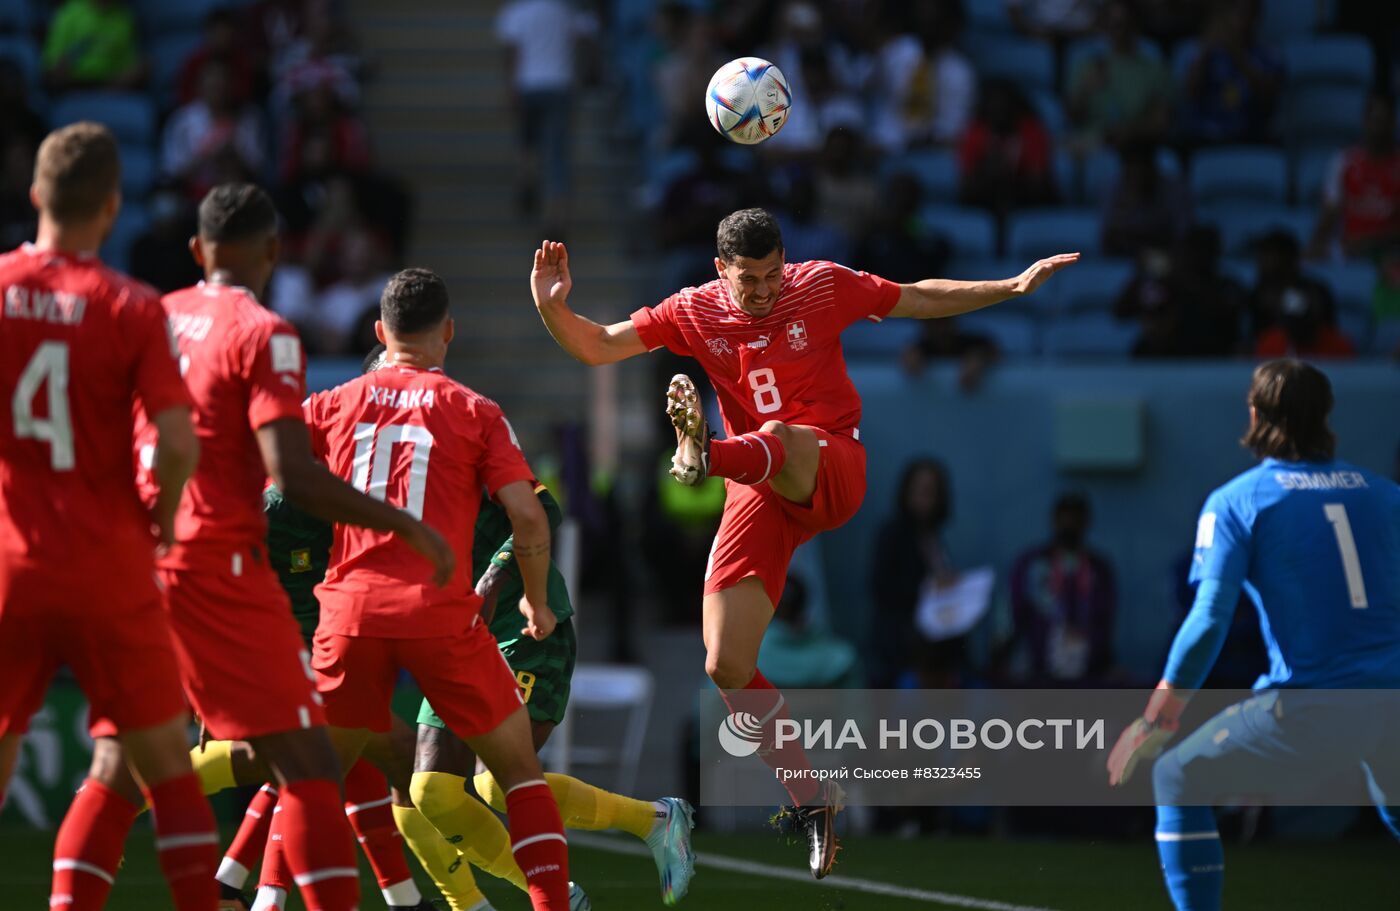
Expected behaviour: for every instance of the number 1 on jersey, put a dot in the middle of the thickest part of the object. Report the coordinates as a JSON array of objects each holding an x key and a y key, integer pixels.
[
  {"x": 764, "y": 384},
  {"x": 1351, "y": 563},
  {"x": 374, "y": 456}
]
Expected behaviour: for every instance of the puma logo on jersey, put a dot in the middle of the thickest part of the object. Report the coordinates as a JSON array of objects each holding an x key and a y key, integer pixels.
[{"x": 759, "y": 343}]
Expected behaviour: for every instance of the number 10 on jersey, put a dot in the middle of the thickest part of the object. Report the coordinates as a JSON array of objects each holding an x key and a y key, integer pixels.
[{"x": 374, "y": 457}]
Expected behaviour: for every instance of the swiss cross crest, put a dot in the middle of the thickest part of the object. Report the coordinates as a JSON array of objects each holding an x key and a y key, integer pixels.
[{"x": 797, "y": 335}]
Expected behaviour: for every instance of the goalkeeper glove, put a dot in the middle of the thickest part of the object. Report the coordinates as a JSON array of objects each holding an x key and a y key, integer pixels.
[{"x": 1146, "y": 737}]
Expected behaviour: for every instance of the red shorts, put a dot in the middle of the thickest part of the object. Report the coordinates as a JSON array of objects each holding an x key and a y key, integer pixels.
[
  {"x": 113, "y": 638},
  {"x": 464, "y": 676},
  {"x": 760, "y": 530},
  {"x": 242, "y": 660}
]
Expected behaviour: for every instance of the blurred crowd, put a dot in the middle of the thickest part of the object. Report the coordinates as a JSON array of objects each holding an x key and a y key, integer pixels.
[
  {"x": 200, "y": 92},
  {"x": 1229, "y": 169}
]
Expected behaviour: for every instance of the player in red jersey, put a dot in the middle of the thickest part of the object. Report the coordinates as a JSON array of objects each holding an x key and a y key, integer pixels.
[
  {"x": 240, "y": 652},
  {"x": 407, "y": 434},
  {"x": 768, "y": 334},
  {"x": 81, "y": 345}
]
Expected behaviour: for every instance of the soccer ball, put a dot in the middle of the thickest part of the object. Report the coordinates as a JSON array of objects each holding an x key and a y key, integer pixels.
[{"x": 748, "y": 100}]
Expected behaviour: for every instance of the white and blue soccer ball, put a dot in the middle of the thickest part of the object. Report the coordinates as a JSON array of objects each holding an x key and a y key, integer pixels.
[{"x": 748, "y": 100}]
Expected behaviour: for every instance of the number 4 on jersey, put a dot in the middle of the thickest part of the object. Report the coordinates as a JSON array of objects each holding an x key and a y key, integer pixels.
[
  {"x": 374, "y": 457},
  {"x": 48, "y": 367}
]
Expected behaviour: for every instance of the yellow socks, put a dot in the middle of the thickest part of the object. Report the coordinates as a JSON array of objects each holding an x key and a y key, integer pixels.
[
  {"x": 466, "y": 823},
  {"x": 213, "y": 763},
  {"x": 450, "y": 873},
  {"x": 582, "y": 805}
]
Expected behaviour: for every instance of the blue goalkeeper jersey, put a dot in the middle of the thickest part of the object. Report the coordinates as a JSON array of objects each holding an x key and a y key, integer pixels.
[{"x": 1316, "y": 545}]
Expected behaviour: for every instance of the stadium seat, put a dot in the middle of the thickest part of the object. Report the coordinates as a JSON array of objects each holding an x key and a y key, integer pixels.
[
  {"x": 157, "y": 17},
  {"x": 1025, "y": 61},
  {"x": 935, "y": 169},
  {"x": 972, "y": 232},
  {"x": 1310, "y": 174},
  {"x": 1385, "y": 338},
  {"x": 131, "y": 116},
  {"x": 1240, "y": 225},
  {"x": 1015, "y": 333},
  {"x": 1283, "y": 19},
  {"x": 168, "y": 55},
  {"x": 1319, "y": 114},
  {"x": 1182, "y": 57},
  {"x": 988, "y": 15},
  {"x": 1050, "y": 109},
  {"x": 1353, "y": 284},
  {"x": 25, "y": 55},
  {"x": 131, "y": 223},
  {"x": 1090, "y": 335},
  {"x": 1067, "y": 179},
  {"x": 879, "y": 341},
  {"x": 1356, "y": 325},
  {"x": 1241, "y": 269},
  {"x": 1231, "y": 174},
  {"x": 1083, "y": 48},
  {"x": 610, "y": 688},
  {"x": 1091, "y": 286},
  {"x": 139, "y": 170},
  {"x": 1330, "y": 59},
  {"x": 1042, "y": 232},
  {"x": 1101, "y": 172}
]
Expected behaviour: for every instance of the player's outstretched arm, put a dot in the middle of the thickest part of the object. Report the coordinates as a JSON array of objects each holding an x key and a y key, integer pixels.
[
  {"x": 590, "y": 342},
  {"x": 286, "y": 452},
  {"x": 530, "y": 529},
  {"x": 176, "y": 455},
  {"x": 938, "y": 297}
]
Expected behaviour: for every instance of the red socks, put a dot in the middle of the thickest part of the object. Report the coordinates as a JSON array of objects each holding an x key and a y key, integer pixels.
[
  {"x": 318, "y": 846},
  {"x": 89, "y": 847},
  {"x": 750, "y": 458},
  {"x": 538, "y": 844},
  {"x": 186, "y": 842},
  {"x": 248, "y": 844},
  {"x": 762, "y": 700},
  {"x": 368, "y": 806}
]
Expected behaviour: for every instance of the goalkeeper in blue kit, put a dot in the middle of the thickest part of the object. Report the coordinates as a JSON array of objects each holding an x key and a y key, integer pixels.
[{"x": 1315, "y": 543}]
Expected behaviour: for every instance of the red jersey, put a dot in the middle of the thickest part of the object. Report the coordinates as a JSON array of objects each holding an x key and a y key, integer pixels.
[
  {"x": 786, "y": 366},
  {"x": 81, "y": 346},
  {"x": 244, "y": 367},
  {"x": 427, "y": 444},
  {"x": 1367, "y": 189}
]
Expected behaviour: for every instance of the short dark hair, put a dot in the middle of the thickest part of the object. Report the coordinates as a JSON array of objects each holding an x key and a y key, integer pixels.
[
  {"x": 77, "y": 170},
  {"x": 413, "y": 300},
  {"x": 233, "y": 212},
  {"x": 750, "y": 233},
  {"x": 371, "y": 361},
  {"x": 1291, "y": 401}
]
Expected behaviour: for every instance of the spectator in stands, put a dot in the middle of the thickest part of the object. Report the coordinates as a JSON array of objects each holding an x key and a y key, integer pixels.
[
  {"x": 806, "y": 235},
  {"x": 909, "y": 554},
  {"x": 829, "y": 102},
  {"x": 1233, "y": 80},
  {"x": 1055, "y": 20},
  {"x": 946, "y": 341},
  {"x": 689, "y": 58},
  {"x": 323, "y": 137},
  {"x": 927, "y": 87},
  {"x": 1146, "y": 208},
  {"x": 543, "y": 39},
  {"x": 1004, "y": 156},
  {"x": 899, "y": 245},
  {"x": 336, "y": 241},
  {"x": 1064, "y": 603},
  {"x": 1170, "y": 21},
  {"x": 160, "y": 256},
  {"x": 320, "y": 52},
  {"x": 93, "y": 44},
  {"x": 1185, "y": 305},
  {"x": 1120, "y": 94},
  {"x": 1294, "y": 315},
  {"x": 796, "y": 655},
  {"x": 18, "y": 119},
  {"x": 18, "y": 218},
  {"x": 848, "y": 195},
  {"x": 214, "y": 139},
  {"x": 1361, "y": 198},
  {"x": 347, "y": 309},
  {"x": 223, "y": 42}
]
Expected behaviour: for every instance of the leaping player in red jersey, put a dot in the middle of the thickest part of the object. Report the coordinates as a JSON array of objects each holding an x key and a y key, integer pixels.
[
  {"x": 768, "y": 334},
  {"x": 242, "y": 660},
  {"x": 80, "y": 346}
]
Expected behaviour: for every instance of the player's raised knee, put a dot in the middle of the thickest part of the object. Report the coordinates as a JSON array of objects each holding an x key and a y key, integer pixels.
[{"x": 728, "y": 673}]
